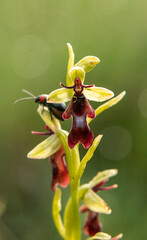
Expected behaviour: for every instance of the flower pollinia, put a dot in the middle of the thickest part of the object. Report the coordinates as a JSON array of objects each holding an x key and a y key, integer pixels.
[
  {"x": 52, "y": 147},
  {"x": 78, "y": 94}
]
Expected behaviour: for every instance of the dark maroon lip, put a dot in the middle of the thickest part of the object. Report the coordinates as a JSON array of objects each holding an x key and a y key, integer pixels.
[{"x": 79, "y": 108}]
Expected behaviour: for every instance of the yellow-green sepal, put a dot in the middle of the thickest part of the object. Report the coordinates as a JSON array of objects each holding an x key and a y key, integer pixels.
[
  {"x": 46, "y": 148},
  {"x": 56, "y": 212},
  {"x": 88, "y": 63},
  {"x": 100, "y": 236},
  {"x": 60, "y": 95},
  {"x": 95, "y": 203},
  {"x": 102, "y": 176},
  {"x": 98, "y": 94},
  {"x": 69, "y": 81}
]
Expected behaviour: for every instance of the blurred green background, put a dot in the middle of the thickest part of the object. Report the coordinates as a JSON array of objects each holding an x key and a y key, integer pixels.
[{"x": 33, "y": 56}]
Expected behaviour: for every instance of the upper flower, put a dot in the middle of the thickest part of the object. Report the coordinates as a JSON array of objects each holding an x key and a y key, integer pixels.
[{"x": 78, "y": 93}]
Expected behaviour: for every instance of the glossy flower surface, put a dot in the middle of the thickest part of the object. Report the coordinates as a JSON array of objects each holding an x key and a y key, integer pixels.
[
  {"x": 52, "y": 147},
  {"x": 78, "y": 93}
]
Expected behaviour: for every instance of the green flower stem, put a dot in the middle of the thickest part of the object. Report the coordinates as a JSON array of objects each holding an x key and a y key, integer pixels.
[
  {"x": 72, "y": 229},
  {"x": 76, "y": 218}
]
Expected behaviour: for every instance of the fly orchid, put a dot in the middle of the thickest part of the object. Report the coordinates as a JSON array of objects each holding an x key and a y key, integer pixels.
[
  {"x": 61, "y": 145},
  {"x": 51, "y": 147},
  {"x": 93, "y": 225},
  {"x": 78, "y": 94}
]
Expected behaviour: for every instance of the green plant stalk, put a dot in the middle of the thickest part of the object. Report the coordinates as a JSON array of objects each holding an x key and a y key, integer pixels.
[
  {"x": 71, "y": 218},
  {"x": 75, "y": 210}
]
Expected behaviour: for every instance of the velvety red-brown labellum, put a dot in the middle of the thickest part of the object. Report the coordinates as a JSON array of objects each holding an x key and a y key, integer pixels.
[
  {"x": 93, "y": 224},
  {"x": 80, "y": 109},
  {"x": 59, "y": 169}
]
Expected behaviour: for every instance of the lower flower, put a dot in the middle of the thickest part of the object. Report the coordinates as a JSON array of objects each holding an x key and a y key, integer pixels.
[
  {"x": 92, "y": 225},
  {"x": 59, "y": 169},
  {"x": 52, "y": 147},
  {"x": 94, "y": 205}
]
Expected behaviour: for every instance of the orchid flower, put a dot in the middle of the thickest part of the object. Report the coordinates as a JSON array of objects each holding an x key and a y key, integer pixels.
[
  {"x": 93, "y": 204},
  {"x": 52, "y": 147},
  {"x": 78, "y": 94}
]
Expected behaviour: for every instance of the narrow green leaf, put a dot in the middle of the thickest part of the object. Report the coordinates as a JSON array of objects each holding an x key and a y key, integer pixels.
[
  {"x": 88, "y": 156},
  {"x": 46, "y": 148},
  {"x": 108, "y": 104},
  {"x": 56, "y": 212}
]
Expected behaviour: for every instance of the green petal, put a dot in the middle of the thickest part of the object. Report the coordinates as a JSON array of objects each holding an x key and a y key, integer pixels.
[
  {"x": 56, "y": 212},
  {"x": 98, "y": 94},
  {"x": 70, "y": 64},
  {"x": 88, "y": 63},
  {"x": 77, "y": 72},
  {"x": 95, "y": 203},
  {"x": 48, "y": 118},
  {"x": 108, "y": 104},
  {"x": 46, "y": 148},
  {"x": 60, "y": 95},
  {"x": 100, "y": 236},
  {"x": 101, "y": 176}
]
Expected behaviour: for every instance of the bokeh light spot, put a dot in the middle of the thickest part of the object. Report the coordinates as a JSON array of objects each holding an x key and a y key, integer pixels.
[
  {"x": 30, "y": 56},
  {"x": 116, "y": 143},
  {"x": 142, "y": 103}
]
